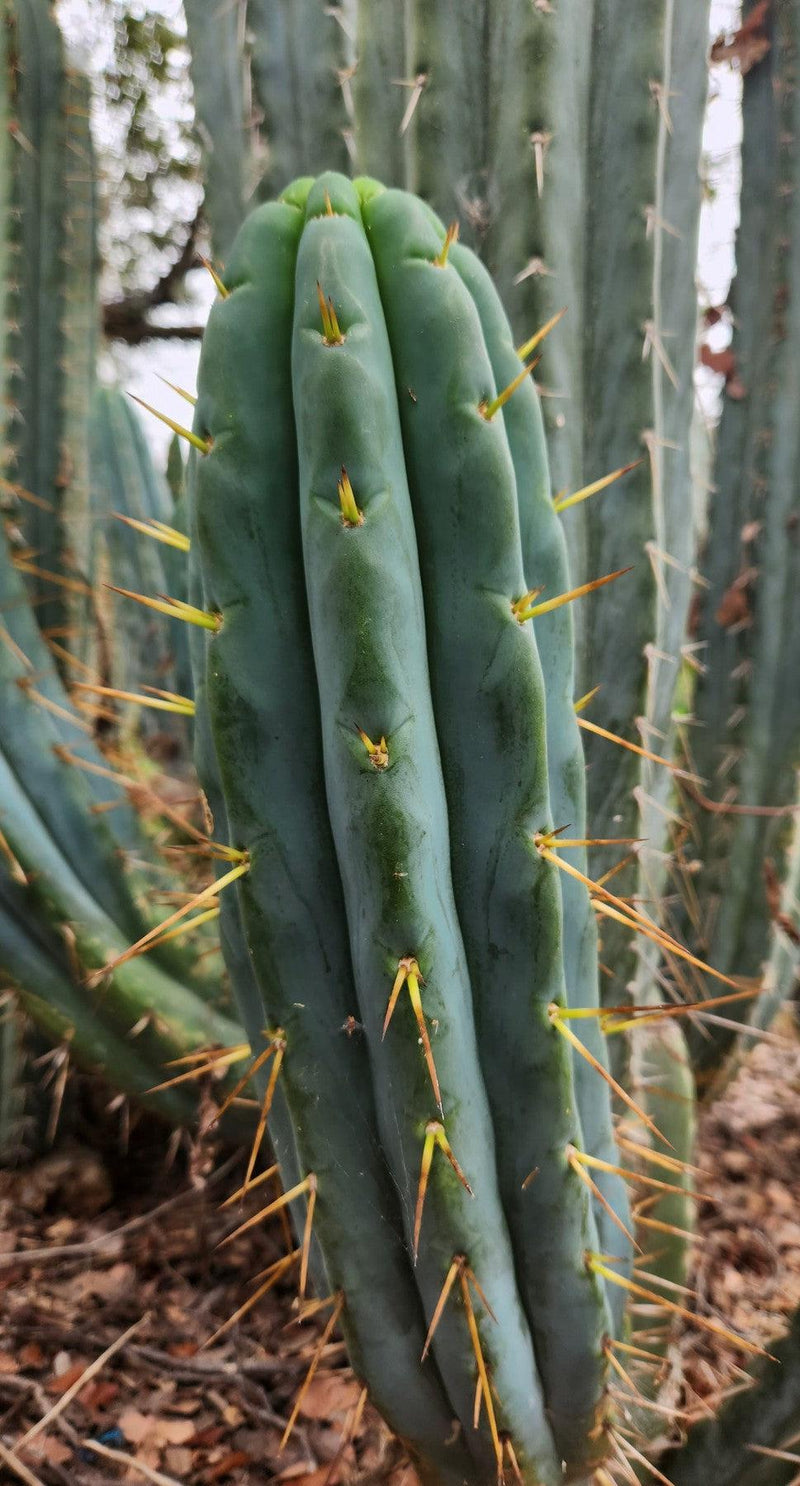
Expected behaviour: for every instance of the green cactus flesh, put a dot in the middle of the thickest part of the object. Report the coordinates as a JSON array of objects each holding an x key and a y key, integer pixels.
[{"x": 378, "y": 720}]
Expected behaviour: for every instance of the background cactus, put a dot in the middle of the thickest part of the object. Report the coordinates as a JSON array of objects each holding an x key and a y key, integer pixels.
[{"x": 746, "y": 704}]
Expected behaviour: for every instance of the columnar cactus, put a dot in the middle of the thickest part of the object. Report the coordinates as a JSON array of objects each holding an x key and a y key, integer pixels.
[
  {"x": 747, "y": 702},
  {"x": 50, "y": 302},
  {"x": 377, "y": 703}
]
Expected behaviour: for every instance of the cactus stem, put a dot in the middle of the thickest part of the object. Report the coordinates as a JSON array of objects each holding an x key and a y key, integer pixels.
[
  {"x": 298, "y": 1190},
  {"x": 174, "y": 608},
  {"x": 434, "y": 1136},
  {"x": 204, "y": 445},
  {"x": 74, "y": 585},
  {"x": 273, "y": 1274},
  {"x": 330, "y": 1326},
  {"x": 331, "y": 333},
  {"x": 560, "y": 1026},
  {"x": 378, "y": 752},
  {"x": 181, "y": 391},
  {"x": 595, "y": 1264},
  {"x": 408, "y": 975},
  {"x": 451, "y": 236},
  {"x": 588, "y": 1181},
  {"x": 158, "y": 530},
  {"x": 213, "y": 889},
  {"x": 523, "y": 609},
  {"x": 563, "y": 502},
  {"x": 525, "y": 350},
  {"x": 218, "y": 284},
  {"x": 487, "y": 410},
  {"x": 182, "y": 705},
  {"x": 351, "y": 516},
  {"x": 655, "y": 758}
]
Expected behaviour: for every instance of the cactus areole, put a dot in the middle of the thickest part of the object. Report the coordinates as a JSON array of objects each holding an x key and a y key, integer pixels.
[{"x": 371, "y": 517}]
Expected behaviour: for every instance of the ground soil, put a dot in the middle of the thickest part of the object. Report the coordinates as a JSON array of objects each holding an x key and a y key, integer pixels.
[{"x": 95, "y": 1239}]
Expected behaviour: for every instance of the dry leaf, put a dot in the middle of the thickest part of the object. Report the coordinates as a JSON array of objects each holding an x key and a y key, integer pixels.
[
  {"x": 330, "y": 1396},
  {"x": 733, "y": 606}
]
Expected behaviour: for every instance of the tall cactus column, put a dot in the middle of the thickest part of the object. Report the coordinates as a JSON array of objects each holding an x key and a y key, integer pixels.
[{"x": 376, "y": 703}]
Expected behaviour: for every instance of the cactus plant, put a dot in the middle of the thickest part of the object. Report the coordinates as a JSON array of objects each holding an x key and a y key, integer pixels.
[
  {"x": 747, "y": 703},
  {"x": 134, "y": 646},
  {"x": 49, "y": 326},
  {"x": 373, "y": 832}
]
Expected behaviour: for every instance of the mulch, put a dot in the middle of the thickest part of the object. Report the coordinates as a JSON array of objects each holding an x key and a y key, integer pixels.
[{"x": 96, "y": 1241}]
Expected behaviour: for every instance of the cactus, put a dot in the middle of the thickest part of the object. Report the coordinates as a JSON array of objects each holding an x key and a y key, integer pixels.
[
  {"x": 747, "y": 703},
  {"x": 50, "y": 319},
  {"x": 134, "y": 645},
  {"x": 372, "y": 836}
]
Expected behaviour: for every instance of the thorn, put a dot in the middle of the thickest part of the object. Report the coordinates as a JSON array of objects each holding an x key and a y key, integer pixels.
[
  {"x": 661, "y": 1227},
  {"x": 181, "y": 391},
  {"x": 273, "y": 1207},
  {"x": 26, "y": 495},
  {"x": 596, "y": 1264},
  {"x": 655, "y": 758},
  {"x": 528, "y": 347},
  {"x": 275, "y": 1273},
  {"x": 50, "y": 706},
  {"x": 338, "y": 1306},
  {"x": 487, "y": 410},
  {"x": 182, "y": 705},
  {"x": 331, "y": 334},
  {"x": 522, "y": 609},
  {"x": 434, "y": 1136},
  {"x": 309, "y": 1223},
  {"x": 632, "y": 919},
  {"x": 553, "y": 838},
  {"x": 583, "y": 1176},
  {"x": 465, "y": 1274},
  {"x": 329, "y": 212},
  {"x": 451, "y": 236},
  {"x": 658, "y": 1158},
  {"x": 212, "y": 891},
  {"x": 174, "y": 608},
  {"x": 416, "y": 85},
  {"x": 599, "y": 1164},
  {"x": 351, "y": 516},
  {"x": 211, "y": 1064},
  {"x": 158, "y": 530},
  {"x": 563, "y": 502},
  {"x": 408, "y": 974},
  {"x": 643, "y": 1461},
  {"x": 204, "y": 445},
  {"x": 584, "y": 701},
  {"x": 514, "y": 1463},
  {"x": 74, "y": 585},
  {"x": 258, "y": 1181},
  {"x": 554, "y": 1013},
  {"x": 275, "y": 1048},
  {"x": 222, "y": 291},
  {"x": 378, "y": 752}
]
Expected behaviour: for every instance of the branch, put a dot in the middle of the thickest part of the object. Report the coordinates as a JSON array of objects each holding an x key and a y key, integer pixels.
[{"x": 126, "y": 319}]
